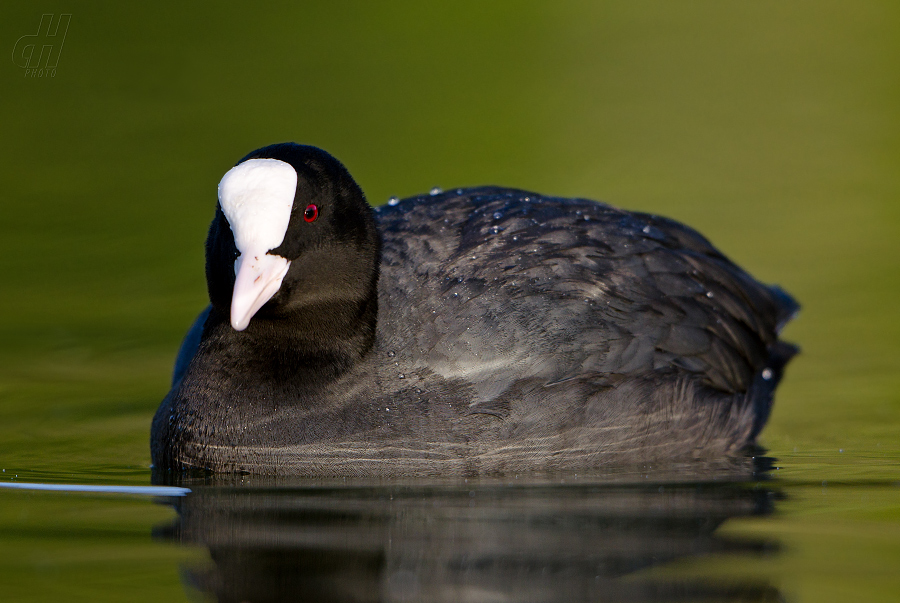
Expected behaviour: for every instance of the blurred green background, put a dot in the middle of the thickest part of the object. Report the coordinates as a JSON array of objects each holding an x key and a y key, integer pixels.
[{"x": 771, "y": 127}]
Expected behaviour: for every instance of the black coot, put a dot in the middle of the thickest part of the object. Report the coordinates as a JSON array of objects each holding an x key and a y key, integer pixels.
[{"x": 474, "y": 331}]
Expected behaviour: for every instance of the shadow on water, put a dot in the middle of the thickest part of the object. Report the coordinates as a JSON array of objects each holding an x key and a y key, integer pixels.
[{"x": 560, "y": 539}]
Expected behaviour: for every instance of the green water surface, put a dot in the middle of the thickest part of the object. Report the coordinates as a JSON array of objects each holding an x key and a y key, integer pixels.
[{"x": 772, "y": 127}]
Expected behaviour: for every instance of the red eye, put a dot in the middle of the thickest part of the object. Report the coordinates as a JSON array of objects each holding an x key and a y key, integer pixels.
[{"x": 311, "y": 213}]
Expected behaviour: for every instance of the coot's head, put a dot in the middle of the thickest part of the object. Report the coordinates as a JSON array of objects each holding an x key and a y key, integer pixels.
[{"x": 292, "y": 233}]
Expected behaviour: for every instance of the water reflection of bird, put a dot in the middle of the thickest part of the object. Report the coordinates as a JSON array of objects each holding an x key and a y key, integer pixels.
[
  {"x": 462, "y": 332},
  {"x": 472, "y": 542}
]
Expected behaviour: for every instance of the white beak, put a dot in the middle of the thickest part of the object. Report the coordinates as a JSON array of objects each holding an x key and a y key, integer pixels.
[{"x": 258, "y": 276}]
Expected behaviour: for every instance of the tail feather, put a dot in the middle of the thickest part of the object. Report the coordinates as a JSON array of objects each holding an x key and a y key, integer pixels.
[
  {"x": 786, "y": 307},
  {"x": 762, "y": 390}
]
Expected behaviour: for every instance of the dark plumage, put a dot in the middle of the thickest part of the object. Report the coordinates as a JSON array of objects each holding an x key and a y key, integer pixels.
[{"x": 507, "y": 331}]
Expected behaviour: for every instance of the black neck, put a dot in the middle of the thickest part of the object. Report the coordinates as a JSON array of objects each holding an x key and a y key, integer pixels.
[{"x": 305, "y": 349}]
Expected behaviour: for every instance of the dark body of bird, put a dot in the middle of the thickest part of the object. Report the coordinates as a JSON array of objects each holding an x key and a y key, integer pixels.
[{"x": 476, "y": 331}]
